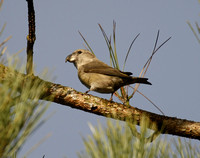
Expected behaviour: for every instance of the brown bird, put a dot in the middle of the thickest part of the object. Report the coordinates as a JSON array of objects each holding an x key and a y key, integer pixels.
[{"x": 98, "y": 76}]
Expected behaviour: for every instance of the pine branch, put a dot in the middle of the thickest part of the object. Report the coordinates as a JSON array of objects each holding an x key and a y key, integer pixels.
[
  {"x": 69, "y": 97},
  {"x": 31, "y": 37}
]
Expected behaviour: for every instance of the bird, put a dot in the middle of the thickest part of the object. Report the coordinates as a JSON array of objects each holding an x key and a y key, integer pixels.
[{"x": 98, "y": 76}]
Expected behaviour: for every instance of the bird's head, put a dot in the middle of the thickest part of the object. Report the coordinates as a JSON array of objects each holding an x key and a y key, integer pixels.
[{"x": 80, "y": 57}]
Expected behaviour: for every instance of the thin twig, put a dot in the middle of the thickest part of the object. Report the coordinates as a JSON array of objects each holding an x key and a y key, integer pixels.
[
  {"x": 6, "y": 40},
  {"x": 149, "y": 101},
  {"x": 86, "y": 42},
  {"x": 129, "y": 50},
  {"x": 146, "y": 66},
  {"x": 197, "y": 26},
  {"x": 114, "y": 42},
  {"x": 4, "y": 25},
  {"x": 108, "y": 42},
  {"x": 194, "y": 32},
  {"x": 31, "y": 37}
]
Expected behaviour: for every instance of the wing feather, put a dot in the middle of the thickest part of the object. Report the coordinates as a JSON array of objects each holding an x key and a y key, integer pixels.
[{"x": 102, "y": 68}]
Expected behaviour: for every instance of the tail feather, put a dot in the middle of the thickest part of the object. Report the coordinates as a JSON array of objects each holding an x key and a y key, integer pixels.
[{"x": 140, "y": 80}]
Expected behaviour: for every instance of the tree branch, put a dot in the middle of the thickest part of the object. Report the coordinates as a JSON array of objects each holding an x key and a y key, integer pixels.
[
  {"x": 69, "y": 97},
  {"x": 31, "y": 37}
]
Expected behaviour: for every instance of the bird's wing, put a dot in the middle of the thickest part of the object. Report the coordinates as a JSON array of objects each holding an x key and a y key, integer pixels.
[{"x": 102, "y": 68}]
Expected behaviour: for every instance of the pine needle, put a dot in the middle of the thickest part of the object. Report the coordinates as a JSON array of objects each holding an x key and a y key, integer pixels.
[
  {"x": 129, "y": 50},
  {"x": 86, "y": 42},
  {"x": 146, "y": 66}
]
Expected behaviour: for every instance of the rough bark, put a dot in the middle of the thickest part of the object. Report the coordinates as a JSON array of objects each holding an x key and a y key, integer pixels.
[
  {"x": 31, "y": 37},
  {"x": 67, "y": 96}
]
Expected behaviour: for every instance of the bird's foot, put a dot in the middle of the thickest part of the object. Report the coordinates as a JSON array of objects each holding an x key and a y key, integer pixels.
[
  {"x": 111, "y": 98},
  {"x": 87, "y": 92}
]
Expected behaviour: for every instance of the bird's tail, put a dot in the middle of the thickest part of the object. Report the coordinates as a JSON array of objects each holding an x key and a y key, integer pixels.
[{"x": 140, "y": 80}]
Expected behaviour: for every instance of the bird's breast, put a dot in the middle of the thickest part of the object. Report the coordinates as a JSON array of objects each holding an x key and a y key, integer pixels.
[
  {"x": 99, "y": 82},
  {"x": 84, "y": 78}
]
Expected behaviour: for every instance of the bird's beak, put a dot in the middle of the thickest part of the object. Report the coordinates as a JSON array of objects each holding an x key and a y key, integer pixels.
[{"x": 67, "y": 59}]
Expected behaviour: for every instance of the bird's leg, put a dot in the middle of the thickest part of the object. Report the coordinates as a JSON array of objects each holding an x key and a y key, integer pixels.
[
  {"x": 87, "y": 91},
  {"x": 111, "y": 98}
]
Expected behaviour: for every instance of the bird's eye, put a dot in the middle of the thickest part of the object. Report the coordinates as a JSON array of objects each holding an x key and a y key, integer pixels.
[{"x": 79, "y": 52}]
